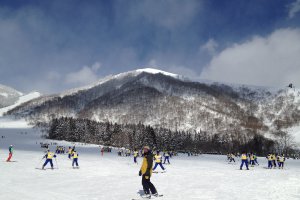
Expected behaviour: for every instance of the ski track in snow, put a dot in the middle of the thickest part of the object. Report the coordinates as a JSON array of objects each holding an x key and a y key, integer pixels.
[{"x": 116, "y": 178}]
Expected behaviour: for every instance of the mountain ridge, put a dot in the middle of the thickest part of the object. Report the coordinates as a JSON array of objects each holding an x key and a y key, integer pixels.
[{"x": 159, "y": 98}]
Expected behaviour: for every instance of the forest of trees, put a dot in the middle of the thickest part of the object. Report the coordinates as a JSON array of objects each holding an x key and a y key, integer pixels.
[{"x": 135, "y": 136}]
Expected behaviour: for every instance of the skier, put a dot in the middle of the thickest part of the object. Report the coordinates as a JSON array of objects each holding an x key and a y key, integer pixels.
[
  {"x": 135, "y": 155},
  {"x": 228, "y": 156},
  {"x": 158, "y": 161},
  {"x": 252, "y": 159},
  {"x": 69, "y": 153},
  {"x": 146, "y": 172},
  {"x": 75, "y": 159},
  {"x": 270, "y": 161},
  {"x": 49, "y": 156},
  {"x": 231, "y": 157},
  {"x": 244, "y": 160},
  {"x": 102, "y": 151},
  {"x": 167, "y": 156},
  {"x": 281, "y": 161},
  {"x": 274, "y": 160},
  {"x": 11, "y": 150}
]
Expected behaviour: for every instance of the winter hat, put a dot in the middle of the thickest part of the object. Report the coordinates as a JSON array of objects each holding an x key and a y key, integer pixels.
[{"x": 147, "y": 147}]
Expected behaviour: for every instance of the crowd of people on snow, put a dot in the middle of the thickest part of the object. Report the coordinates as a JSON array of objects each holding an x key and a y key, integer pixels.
[
  {"x": 153, "y": 158},
  {"x": 274, "y": 160}
]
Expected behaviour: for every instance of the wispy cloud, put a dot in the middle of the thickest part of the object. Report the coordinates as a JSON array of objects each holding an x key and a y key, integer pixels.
[
  {"x": 266, "y": 61},
  {"x": 210, "y": 47},
  {"x": 84, "y": 76},
  {"x": 294, "y": 8},
  {"x": 169, "y": 14}
]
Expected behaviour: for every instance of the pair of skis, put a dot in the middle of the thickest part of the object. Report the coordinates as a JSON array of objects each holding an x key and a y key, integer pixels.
[{"x": 152, "y": 196}]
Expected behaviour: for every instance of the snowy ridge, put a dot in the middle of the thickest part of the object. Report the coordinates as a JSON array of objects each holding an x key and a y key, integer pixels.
[
  {"x": 8, "y": 96},
  {"x": 5, "y": 91},
  {"x": 139, "y": 96},
  {"x": 21, "y": 100},
  {"x": 157, "y": 71},
  {"x": 133, "y": 73}
]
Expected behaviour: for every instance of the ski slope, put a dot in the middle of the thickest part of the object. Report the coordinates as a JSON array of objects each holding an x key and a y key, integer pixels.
[
  {"x": 21, "y": 100},
  {"x": 110, "y": 177}
]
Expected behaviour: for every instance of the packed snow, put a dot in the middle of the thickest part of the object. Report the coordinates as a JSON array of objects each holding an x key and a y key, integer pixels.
[{"x": 111, "y": 177}]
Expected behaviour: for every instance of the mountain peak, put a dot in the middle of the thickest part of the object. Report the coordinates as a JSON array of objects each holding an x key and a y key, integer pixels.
[{"x": 157, "y": 71}]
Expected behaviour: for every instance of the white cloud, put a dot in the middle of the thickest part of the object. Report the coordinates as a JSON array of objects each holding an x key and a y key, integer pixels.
[
  {"x": 85, "y": 75},
  {"x": 210, "y": 46},
  {"x": 294, "y": 8},
  {"x": 96, "y": 66},
  {"x": 268, "y": 61},
  {"x": 53, "y": 76}
]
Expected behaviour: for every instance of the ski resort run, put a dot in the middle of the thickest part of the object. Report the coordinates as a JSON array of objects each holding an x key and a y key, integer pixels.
[{"x": 116, "y": 178}]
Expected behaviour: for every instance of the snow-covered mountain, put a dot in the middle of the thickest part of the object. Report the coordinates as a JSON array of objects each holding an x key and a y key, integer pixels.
[
  {"x": 21, "y": 100},
  {"x": 163, "y": 99},
  {"x": 8, "y": 96}
]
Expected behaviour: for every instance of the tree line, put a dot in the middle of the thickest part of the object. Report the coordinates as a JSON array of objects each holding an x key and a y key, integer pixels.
[{"x": 136, "y": 135}]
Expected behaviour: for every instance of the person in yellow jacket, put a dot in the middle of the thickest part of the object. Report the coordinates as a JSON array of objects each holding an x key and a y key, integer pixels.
[
  {"x": 70, "y": 150},
  {"x": 274, "y": 160},
  {"x": 158, "y": 161},
  {"x": 49, "y": 156},
  {"x": 252, "y": 159},
  {"x": 244, "y": 161},
  {"x": 281, "y": 161},
  {"x": 270, "y": 161},
  {"x": 146, "y": 172},
  {"x": 75, "y": 158}
]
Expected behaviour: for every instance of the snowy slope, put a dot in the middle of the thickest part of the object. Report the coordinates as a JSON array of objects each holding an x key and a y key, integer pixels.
[
  {"x": 116, "y": 178},
  {"x": 22, "y": 99},
  {"x": 8, "y": 96}
]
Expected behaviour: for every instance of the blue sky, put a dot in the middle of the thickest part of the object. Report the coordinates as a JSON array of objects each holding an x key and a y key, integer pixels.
[{"x": 54, "y": 45}]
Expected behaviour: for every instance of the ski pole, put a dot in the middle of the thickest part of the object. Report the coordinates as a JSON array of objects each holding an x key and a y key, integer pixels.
[{"x": 39, "y": 162}]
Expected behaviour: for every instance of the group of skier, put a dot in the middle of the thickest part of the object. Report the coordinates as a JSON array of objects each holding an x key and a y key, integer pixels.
[
  {"x": 60, "y": 150},
  {"x": 157, "y": 157},
  {"x": 72, "y": 155},
  {"x": 273, "y": 160}
]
